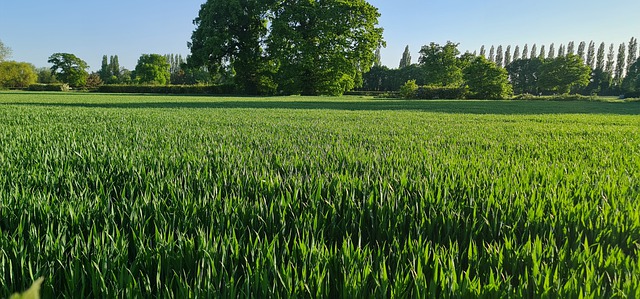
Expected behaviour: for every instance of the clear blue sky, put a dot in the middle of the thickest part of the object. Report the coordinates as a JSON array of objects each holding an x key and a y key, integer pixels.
[{"x": 35, "y": 29}]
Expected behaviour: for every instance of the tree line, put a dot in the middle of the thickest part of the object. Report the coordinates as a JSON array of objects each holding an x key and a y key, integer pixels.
[{"x": 584, "y": 69}]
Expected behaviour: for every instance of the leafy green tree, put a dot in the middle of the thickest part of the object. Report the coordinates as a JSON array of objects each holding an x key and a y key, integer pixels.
[
  {"x": 516, "y": 53},
  {"x": 17, "y": 74},
  {"x": 499, "y": 56},
  {"x": 153, "y": 69},
  {"x": 620, "y": 64},
  {"x": 543, "y": 53},
  {"x": 492, "y": 54},
  {"x": 562, "y": 51},
  {"x": 114, "y": 69},
  {"x": 45, "y": 76},
  {"x": 406, "y": 58},
  {"x": 600, "y": 58},
  {"x": 323, "y": 47},
  {"x": 408, "y": 90},
  {"x": 441, "y": 64},
  {"x": 534, "y": 52},
  {"x": 377, "y": 58},
  {"x": 105, "y": 71},
  {"x": 525, "y": 52},
  {"x": 524, "y": 75},
  {"x": 571, "y": 48},
  {"x": 581, "y": 50},
  {"x": 552, "y": 51},
  {"x": 486, "y": 80},
  {"x": 376, "y": 78},
  {"x": 483, "y": 51},
  {"x": 600, "y": 83},
  {"x": 507, "y": 56},
  {"x": 609, "y": 67},
  {"x": 232, "y": 33},
  {"x": 5, "y": 52},
  {"x": 632, "y": 54},
  {"x": 631, "y": 81},
  {"x": 69, "y": 69},
  {"x": 564, "y": 74}
]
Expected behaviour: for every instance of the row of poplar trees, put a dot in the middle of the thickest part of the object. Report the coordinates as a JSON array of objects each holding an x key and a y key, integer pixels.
[{"x": 287, "y": 47}]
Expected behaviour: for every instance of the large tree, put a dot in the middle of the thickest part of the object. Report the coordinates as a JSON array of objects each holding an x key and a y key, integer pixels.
[
  {"x": 486, "y": 80},
  {"x": 69, "y": 69},
  {"x": 153, "y": 69},
  {"x": 5, "y": 52},
  {"x": 620, "y": 64},
  {"x": 564, "y": 74},
  {"x": 499, "y": 56},
  {"x": 441, "y": 64},
  {"x": 524, "y": 75},
  {"x": 600, "y": 63},
  {"x": 323, "y": 47},
  {"x": 230, "y": 34},
  {"x": 632, "y": 54},
  {"x": 632, "y": 80},
  {"x": 17, "y": 74},
  {"x": 591, "y": 55},
  {"x": 611, "y": 61},
  {"x": 406, "y": 58}
]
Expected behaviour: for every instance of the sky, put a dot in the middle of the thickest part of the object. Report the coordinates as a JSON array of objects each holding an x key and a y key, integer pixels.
[{"x": 35, "y": 29}]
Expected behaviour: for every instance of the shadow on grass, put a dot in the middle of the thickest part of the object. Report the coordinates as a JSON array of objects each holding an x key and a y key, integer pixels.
[{"x": 455, "y": 107}]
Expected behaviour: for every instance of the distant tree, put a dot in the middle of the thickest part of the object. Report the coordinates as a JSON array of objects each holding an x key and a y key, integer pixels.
[
  {"x": 486, "y": 80},
  {"x": 153, "y": 69},
  {"x": 441, "y": 64},
  {"x": 406, "y": 58},
  {"x": 632, "y": 54},
  {"x": 564, "y": 74},
  {"x": 525, "y": 52},
  {"x": 376, "y": 79},
  {"x": 45, "y": 76},
  {"x": 492, "y": 54},
  {"x": 377, "y": 58},
  {"x": 507, "y": 56},
  {"x": 516, "y": 53},
  {"x": 631, "y": 81},
  {"x": 571, "y": 48},
  {"x": 562, "y": 51},
  {"x": 524, "y": 75},
  {"x": 620, "y": 64},
  {"x": 483, "y": 51},
  {"x": 114, "y": 68},
  {"x": 5, "y": 52},
  {"x": 69, "y": 69},
  {"x": 543, "y": 53},
  {"x": 499, "y": 56},
  {"x": 105, "y": 71},
  {"x": 591, "y": 55},
  {"x": 581, "y": 50},
  {"x": 533, "y": 52},
  {"x": 17, "y": 74},
  {"x": 600, "y": 83},
  {"x": 609, "y": 67},
  {"x": 323, "y": 47},
  {"x": 600, "y": 63},
  {"x": 94, "y": 81},
  {"x": 552, "y": 51}
]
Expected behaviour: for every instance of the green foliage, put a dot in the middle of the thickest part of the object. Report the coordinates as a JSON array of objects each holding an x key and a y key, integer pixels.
[
  {"x": 292, "y": 197},
  {"x": 441, "y": 65},
  {"x": 323, "y": 47},
  {"x": 409, "y": 89},
  {"x": 169, "y": 89},
  {"x": 152, "y": 69},
  {"x": 17, "y": 74},
  {"x": 49, "y": 87},
  {"x": 486, "y": 80},
  {"x": 563, "y": 74},
  {"x": 524, "y": 75},
  {"x": 405, "y": 61},
  {"x": 431, "y": 92},
  {"x": 69, "y": 69},
  {"x": 632, "y": 79},
  {"x": 5, "y": 52}
]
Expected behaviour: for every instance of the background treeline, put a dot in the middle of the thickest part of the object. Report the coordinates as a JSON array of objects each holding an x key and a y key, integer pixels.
[{"x": 584, "y": 69}]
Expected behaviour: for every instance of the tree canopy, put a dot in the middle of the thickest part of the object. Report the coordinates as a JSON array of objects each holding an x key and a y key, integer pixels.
[
  {"x": 563, "y": 74},
  {"x": 5, "y": 52},
  {"x": 441, "y": 65},
  {"x": 69, "y": 69},
  {"x": 153, "y": 69},
  {"x": 17, "y": 74},
  {"x": 486, "y": 80}
]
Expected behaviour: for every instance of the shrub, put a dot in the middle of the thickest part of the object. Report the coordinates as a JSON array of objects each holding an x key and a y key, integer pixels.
[
  {"x": 49, "y": 87},
  {"x": 440, "y": 92},
  {"x": 169, "y": 89},
  {"x": 408, "y": 90}
]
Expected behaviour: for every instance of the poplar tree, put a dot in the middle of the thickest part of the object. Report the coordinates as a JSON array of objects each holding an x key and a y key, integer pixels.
[
  {"x": 114, "y": 66},
  {"x": 525, "y": 52},
  {"x": 591, "y": 55},
  {"x": 483, "y": 51},
  {"x": 377, "y": 59},
  {"x": 492, "y": 54},
  {"x": 499, "y": 56},
  {"x": 600, "y": 58},
  {"x": 621, "y": 63},
  {"x": 534, "y": 51},
  {"x": 552, "y": 51},
  {"x": 571, "y": 48},
  {"x": 632, "y": 55},
  {"x": 516, "y": 53},
  {"x": 105, "y": 72},
  {"x": 507, "y": 56},
  {"x": 562, "y": 51},
  {"x": 405, "y": 61},
  {"x": 581, "y": 49},
  {"x": 609, "y": 67},
  {"x": 542, "y": 53}
]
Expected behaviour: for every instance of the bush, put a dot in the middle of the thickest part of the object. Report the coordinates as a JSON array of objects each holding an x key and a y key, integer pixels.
[
  {"x": 49, "y": 87},
  {"x": 440, "y": 92},
  {"x": 169, "y": 89},
  {"x": 408, "y": 90}
]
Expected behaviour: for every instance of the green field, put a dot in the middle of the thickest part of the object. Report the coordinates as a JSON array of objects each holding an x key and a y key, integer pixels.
[{"x": 111, "y": 196}]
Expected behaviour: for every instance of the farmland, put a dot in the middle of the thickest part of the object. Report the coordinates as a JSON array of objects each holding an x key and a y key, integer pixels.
[{"x": 132, "y": 196}]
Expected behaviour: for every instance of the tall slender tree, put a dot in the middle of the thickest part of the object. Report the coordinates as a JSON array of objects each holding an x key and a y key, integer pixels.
[
  {"x": 542, "y": 53},
  {"x": 632, "y": 54},
  {"x": 105, "y": 72},
  {"x": 507, "y": 56},
  {"x": 533, "y": 52},
  {"x": 377, "y": 58},
  {"x": 600, "y": 58},
  {"x": 581, "y": 50},
  {"x": 516, "y": 53},
  {"x": 621, "y": 64},
  {"x": 499, "y": 56},
  {"x": 591, "y": 55},
  {"x": 571, "y": 48},
  {"x": 114, "y": 66},
  {"x": 525, "y": 52},
  {"x": 405, "y": 61},
  {"x": 483, "y": 51},
  {"x": 552, "y": 51},
  {"x": 492, "y": 54},
  {"x": 609, "y": 67},
  {"x": 562, "y": 51}
]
